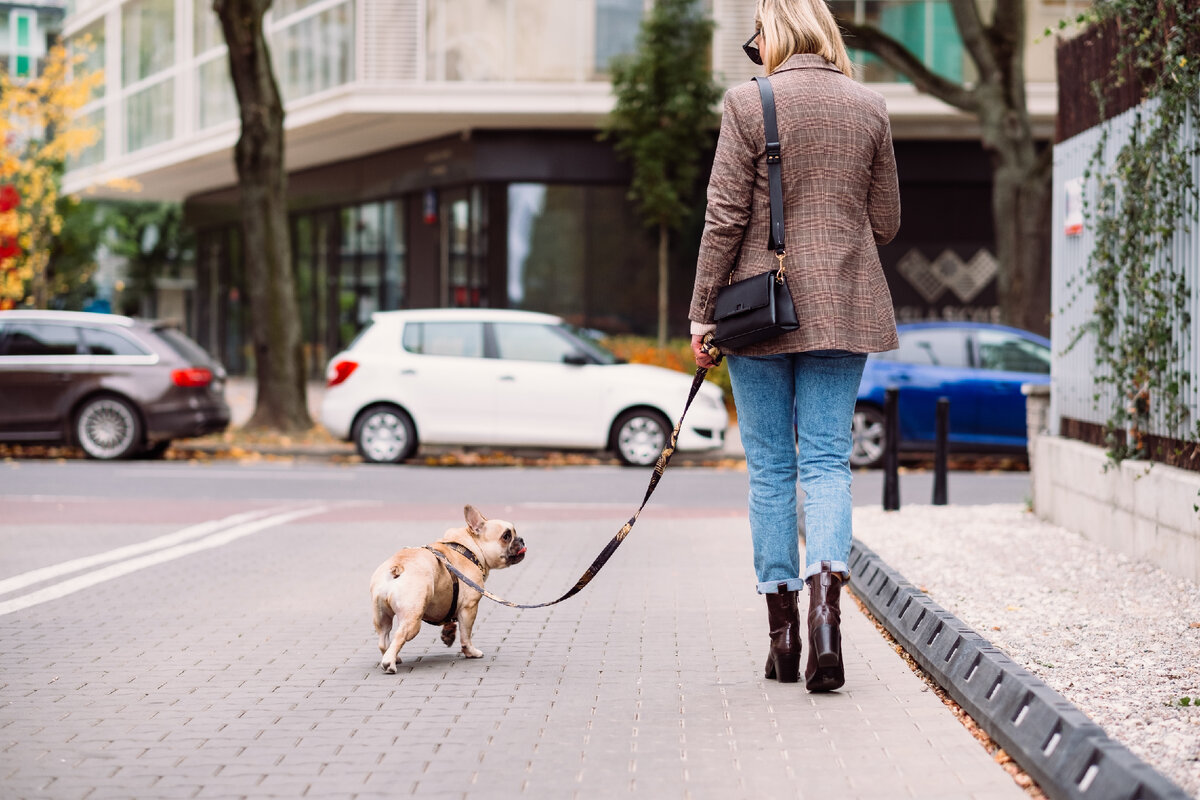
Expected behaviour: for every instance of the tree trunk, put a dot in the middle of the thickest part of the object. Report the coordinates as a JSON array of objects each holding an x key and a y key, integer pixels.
[
  {"x": 266, "y": 245},
  {"x": 1021, "y": 213},
  {"x": 663, "y": 294}
]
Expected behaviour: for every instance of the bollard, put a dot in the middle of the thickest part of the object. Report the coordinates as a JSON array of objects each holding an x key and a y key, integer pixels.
[
  {"x": 939, "y": 453},
  {"x": 891, "y": 449}
]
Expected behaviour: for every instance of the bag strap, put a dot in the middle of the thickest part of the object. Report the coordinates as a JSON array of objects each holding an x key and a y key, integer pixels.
[{"x": 774, "y": 179}]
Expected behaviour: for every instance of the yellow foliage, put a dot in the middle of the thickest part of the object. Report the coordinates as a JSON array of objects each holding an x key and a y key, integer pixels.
[{"x": 40, "y": 129}]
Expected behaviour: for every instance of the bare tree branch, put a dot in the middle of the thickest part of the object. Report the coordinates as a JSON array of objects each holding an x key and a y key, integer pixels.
[
  {"x": 899, "y": 57},
  {"x": 975, "y": 37}
]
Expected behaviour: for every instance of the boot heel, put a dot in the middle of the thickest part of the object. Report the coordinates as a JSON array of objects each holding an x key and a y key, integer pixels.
[
  {"x": 826, "y": 646},
  {"x": 784, "y": 667}
]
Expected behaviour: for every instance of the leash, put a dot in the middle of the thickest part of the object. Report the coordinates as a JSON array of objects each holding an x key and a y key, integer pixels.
[{"x": 660, "y": 467}]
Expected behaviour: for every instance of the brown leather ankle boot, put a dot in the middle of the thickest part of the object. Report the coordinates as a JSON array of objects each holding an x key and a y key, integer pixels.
[
  {"x": 824, "y": 671},
  {"x": 783, "y": 660}
]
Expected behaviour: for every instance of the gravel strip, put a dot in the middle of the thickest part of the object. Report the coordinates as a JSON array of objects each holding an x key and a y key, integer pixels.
[{"x": 1118, "y": 638}]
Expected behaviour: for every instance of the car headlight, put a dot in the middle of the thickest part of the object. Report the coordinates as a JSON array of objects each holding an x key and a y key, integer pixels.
[{"x": 713, "y": 400}]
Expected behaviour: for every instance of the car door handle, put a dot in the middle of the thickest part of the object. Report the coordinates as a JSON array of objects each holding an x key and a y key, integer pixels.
[
  {"x": 407, "y": 372},
  {"x": 508, "y": 378},
  {"x": 902, "y": 376}
]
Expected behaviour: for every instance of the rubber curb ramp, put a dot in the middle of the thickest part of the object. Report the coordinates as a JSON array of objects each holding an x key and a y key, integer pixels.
[{"x": 1070, "y": 757}]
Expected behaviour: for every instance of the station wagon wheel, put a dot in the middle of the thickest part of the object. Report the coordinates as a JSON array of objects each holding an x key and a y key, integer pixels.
[
  {"x": 385, "y": 435},
  {"x": 640, "y": 437},
  {"x": 869, "y": 437},
  {"x": 108, "y": 428}
]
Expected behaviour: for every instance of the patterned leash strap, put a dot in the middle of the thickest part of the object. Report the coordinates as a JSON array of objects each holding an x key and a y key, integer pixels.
[{"x": 660, "y": 467}]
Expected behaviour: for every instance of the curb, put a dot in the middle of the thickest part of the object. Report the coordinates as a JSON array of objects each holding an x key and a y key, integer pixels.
[{"x": 1069, "y": 756}]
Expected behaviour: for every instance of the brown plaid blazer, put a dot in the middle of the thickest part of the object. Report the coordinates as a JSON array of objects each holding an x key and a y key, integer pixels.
[{"x": 840, "y": 197}]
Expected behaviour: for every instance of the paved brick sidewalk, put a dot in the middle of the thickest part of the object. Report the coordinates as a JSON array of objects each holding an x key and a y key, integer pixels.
[{"x": 250, "y": 670}]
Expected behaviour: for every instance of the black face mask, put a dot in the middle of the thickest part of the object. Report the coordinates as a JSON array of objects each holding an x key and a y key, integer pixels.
[{"x": 751, "y": 49}]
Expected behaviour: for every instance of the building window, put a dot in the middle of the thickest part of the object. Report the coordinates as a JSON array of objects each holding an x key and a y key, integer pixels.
[
  {"x": 147, "y": 39},
  {"x": 89, "y": 43},
  {"x": 314, "y": 52},
  {"x": 147, "y": 51},
  {"x": 22, "y": 43},
  {"x": 150, "y": 115},
  {"x": 925, "y": 27},
  {"x": 617, "y": 24}
]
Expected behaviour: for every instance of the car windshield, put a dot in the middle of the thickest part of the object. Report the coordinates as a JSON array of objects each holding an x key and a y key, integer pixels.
[
  {"x": 185, "y": 347},
  {"x": 587, "y": 342}
]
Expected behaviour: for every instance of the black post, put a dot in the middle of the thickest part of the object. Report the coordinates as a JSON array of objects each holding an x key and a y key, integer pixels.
[
  {"x": 939, "y": 454},
  {"x": 891, "y": 450}
]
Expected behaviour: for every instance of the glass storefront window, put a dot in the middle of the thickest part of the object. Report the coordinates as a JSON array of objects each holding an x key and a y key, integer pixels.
[
  {"x": 89, "y": 43},
  {"x": 147, "y": 38},
  {"x": 464, "y": 248},
  {"x": 150, "y": 115},
  {"x": 315, "y": 53},
  {"x": 925, "y": 27},
  {"x": 563, "y": 258}
]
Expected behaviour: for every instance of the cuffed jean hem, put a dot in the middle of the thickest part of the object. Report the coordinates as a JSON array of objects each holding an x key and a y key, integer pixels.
[
  {"x": 834, "y": 566},
  {"x": 772, "y": 587}
]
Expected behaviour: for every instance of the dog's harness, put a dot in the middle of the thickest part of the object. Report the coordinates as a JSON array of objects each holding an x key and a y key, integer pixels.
[
  {"x": 466, "y": 551},
  {"x": 660, "y": 467}
]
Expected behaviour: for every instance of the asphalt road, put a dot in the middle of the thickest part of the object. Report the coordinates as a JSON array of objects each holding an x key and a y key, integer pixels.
[{"x": 612, "y": 487}]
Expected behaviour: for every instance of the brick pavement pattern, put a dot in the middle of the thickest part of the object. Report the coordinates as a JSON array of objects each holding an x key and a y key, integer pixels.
[{"x": 251, "y": 671}]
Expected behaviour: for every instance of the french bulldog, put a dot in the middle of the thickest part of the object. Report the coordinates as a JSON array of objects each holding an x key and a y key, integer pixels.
[{"x": 413, "y": 586}]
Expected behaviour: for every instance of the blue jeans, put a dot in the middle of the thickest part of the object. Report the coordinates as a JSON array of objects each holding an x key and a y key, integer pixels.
[{"x": 816, "y": 392}]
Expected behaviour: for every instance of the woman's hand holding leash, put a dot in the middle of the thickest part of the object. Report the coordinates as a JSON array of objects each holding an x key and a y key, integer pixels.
[{"x": 707, "y": 354}]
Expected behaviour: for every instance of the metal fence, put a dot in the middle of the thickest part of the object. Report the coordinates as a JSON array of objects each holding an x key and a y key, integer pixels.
[{"x": 1076, "y": 394}]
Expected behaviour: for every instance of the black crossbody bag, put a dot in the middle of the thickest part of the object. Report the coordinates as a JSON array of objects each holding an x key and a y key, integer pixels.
[{"x": 760, "y": 308}]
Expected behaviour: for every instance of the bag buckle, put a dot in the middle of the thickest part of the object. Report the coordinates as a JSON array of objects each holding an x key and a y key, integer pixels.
[{"x": 779, "y": 276}]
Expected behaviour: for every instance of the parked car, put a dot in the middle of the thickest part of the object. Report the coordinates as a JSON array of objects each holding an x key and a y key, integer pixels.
[
  {"x": 115, "y": 386},
  {"x": 980, "y": 367},
  {"x": 505, "y": 378}
]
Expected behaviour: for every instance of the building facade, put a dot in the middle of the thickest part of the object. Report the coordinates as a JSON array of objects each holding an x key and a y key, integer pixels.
[
  {"x": 28, "y": 30},
  {"x": 446, "y": 152}
]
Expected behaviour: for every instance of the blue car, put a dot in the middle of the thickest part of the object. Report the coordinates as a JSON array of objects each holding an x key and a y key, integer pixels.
[{"x": 979, "y": 367}]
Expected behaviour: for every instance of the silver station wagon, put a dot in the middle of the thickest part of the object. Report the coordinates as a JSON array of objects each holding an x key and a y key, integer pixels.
[{"x": 115, "y": 386}]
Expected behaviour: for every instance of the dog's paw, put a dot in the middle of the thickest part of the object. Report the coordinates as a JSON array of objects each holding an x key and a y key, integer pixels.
[
  {"x": 449, "y": 631},
  {"x": 388, "y": 667},
  {"x": 472, "y": 652}
]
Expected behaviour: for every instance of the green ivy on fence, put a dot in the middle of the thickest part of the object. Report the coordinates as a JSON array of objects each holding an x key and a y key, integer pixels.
[{"x": 1143, "y": 329}]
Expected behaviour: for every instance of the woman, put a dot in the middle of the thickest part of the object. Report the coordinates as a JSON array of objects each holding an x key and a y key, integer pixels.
[{"x": 841, "y": 199}]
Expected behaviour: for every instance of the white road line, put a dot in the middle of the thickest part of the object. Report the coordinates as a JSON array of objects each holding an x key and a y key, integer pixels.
[
  {"x": 178, "y": 537},
  {"x": 88, "y": 580}
]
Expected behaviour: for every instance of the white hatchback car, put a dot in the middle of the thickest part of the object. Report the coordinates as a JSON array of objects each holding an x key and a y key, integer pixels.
[{"x": 505, "y": 378}]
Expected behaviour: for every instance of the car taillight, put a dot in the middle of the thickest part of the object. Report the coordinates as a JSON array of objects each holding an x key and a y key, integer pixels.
[
  {"x": 340, "y": 371},
  {"x": 192, "y": 377}
]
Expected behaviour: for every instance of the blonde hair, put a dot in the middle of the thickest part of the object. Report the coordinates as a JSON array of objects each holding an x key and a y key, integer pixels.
[{"x": 799, "y": 26}]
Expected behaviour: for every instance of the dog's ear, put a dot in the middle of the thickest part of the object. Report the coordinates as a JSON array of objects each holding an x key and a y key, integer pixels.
[{"x": 475, "y": 520}]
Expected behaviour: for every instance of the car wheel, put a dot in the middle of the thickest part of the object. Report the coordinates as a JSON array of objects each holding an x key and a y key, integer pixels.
[
  {"x": 869, "y": 437},
  {"x": 385, "y": 435},
  {"x": 108, "y": 428},
  {"x": 640, "y": 437}
]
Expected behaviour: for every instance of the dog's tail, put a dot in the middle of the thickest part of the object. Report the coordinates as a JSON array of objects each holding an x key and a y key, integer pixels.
[{"x": 397, "y": 570}]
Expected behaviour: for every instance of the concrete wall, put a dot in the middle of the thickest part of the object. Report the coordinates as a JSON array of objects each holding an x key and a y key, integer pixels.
[{"x": 1144, "y": 510}]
